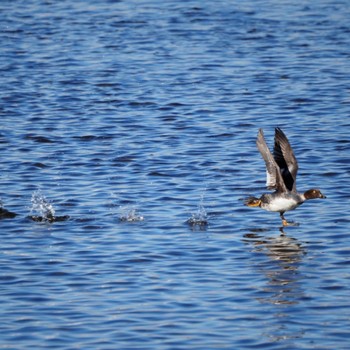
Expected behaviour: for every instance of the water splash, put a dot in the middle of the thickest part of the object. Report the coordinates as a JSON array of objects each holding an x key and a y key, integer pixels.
[
  {"x": 200, "y": 217},
  {"x": 130, "y": 214},
  {"x": 42, "y": 209}
]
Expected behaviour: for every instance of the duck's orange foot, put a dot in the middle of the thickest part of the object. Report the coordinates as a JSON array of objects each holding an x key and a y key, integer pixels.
[{"x": 289, "y": 223}]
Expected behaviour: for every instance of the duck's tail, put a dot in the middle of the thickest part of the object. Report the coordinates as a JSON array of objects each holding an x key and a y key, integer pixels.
[{"x": 252, "y": 202}]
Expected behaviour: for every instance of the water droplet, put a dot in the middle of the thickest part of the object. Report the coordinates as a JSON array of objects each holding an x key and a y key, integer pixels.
[
  {"x": 130, "y": 214},
  {"x": 200, "y": 217},
  {"x": 41, "y": 207}
]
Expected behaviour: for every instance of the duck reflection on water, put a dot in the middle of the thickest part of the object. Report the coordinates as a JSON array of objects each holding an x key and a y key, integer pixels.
[
  {"x": 283, "y": 289},
  {"x": 285, "y": 254}
]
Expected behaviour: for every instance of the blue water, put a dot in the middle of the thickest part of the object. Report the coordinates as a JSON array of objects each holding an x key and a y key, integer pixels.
[{"x": 137, "y": 119}]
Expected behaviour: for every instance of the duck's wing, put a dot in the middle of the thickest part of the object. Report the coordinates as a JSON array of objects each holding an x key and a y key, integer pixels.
[
  {"x": 274, "y": 178},
  {"x": 285, "y": 159}
]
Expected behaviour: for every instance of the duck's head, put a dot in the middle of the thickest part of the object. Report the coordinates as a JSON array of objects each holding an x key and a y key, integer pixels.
[{"x": 313, "y": 194}]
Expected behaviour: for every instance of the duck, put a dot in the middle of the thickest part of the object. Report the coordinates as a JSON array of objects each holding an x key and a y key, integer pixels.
[{"x": 281, "y": 173}]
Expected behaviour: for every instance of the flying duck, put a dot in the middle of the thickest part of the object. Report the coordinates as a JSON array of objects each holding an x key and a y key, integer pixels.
[{"x": 281, "y": 172}]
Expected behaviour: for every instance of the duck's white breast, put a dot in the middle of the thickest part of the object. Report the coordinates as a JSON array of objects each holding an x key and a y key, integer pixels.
[{"x": 281, "y": 204}]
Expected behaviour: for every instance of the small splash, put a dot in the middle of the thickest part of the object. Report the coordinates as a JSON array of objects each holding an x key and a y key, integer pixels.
[
  {"x": 130, "y": 214},
  {"x": 43, "y": 209},
  {"x": 41, "y": 206},
  {"x": 200, "y": 217}
]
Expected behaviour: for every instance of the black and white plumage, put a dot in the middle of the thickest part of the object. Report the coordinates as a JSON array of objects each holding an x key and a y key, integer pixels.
[{"x": 281, "y": 174}]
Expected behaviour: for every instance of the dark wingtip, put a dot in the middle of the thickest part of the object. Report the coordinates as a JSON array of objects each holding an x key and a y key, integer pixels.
[
  {"x": 278, "y": 130},
  {"x": 279, "y": 134}
]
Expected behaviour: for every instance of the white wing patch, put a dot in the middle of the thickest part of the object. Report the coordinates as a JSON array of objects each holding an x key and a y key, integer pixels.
[{"x": 268, "y": 179}]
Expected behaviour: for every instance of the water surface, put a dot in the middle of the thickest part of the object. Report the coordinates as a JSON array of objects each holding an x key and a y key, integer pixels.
[{"x": 132, "y": 117}]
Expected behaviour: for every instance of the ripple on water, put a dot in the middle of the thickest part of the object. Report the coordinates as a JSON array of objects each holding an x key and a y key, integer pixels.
[{"x": 121, "y": 113}]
